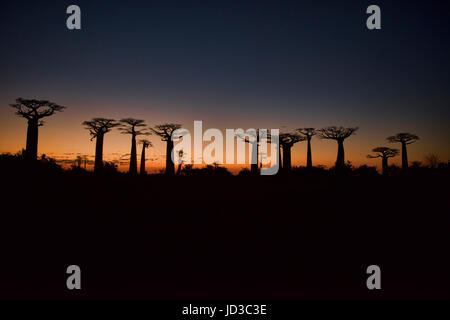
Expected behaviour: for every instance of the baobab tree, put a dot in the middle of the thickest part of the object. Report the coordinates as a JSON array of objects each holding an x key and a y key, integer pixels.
[
  {"x": 384, "y": 153},
  {"x": 287, "y": 141},
  {"x": 130, "y": 126},
  {"x": 165, "y": 132},
  {"x": 308, "y": 133},
  {"x": 145, "y": 144},
  {"x": 98, "y": 127},
  {"x": 404, "y": 139},
  {"x": 254, "y": 140},
  {"x": 180, "y": 161},
  {"x": 339, "y": 134},
  {"x": 34, "y": 111}
]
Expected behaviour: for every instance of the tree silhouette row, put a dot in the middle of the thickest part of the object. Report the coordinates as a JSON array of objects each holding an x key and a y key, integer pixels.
[{"x": 35, "y": 110}]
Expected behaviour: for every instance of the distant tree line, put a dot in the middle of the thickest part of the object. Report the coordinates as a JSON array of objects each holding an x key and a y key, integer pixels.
[{"x": 35, "y": 110}]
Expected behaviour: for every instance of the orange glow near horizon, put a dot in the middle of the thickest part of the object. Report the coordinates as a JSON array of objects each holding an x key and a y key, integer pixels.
[{"x": 64, "y": 138}]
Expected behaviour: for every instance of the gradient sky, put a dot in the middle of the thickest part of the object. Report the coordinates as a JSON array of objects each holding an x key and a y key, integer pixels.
[{"x": 231, "y": 64}]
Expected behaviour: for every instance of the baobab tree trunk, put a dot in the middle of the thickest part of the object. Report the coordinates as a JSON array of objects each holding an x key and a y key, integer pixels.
[
  {"x": 287, "y": 158},
  {"x": 404, "y": 156},
  {"x": 32, "y": 140},
  {"x": 340, "y": 161},
  {"x": 384, "y": 166},
  {"x": 133, "y": 156},
  {"x": 170, "y": 167},
  {"x": 98, "y": 166},
  {"x": 254, "y": 164},
  {"x": 142, "y": 172},
  {"x": 279, "y": 159},
  {"x": 308, "y": 155}
]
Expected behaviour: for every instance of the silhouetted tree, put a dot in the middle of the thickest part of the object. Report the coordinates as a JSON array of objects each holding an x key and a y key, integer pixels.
[
  {"x": 98, "y": 127},
  {"x": 165, "y": 132},
  {"x": 432, "y": 160},
  {"x": 287, "y": 141},
  {"x": 339, "y": 134},
  {"x": 254, "y": 148},
  {"x": 34, "y": 110},
  {"x": 145, "y": 144},
  {"x": 180, "y": 163},
  {"x": 130, "y": 126},
  {"x": 308, "y": 133},
  {"x": 384, "y": 153},
  {"x": 78, "y": 162},
  {"x": 404, "y": 139}
]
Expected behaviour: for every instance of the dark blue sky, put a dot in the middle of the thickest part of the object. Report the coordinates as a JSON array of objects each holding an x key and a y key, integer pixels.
[
  {"x": 297, "y": 61},
  {"x": 307, "y": 49}
]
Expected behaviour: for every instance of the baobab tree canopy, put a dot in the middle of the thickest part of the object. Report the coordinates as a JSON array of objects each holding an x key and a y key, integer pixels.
[
  {"x": 384, "y": 152},
  {"x": 289, "y": 139},
  {"x": 307, "y": 132},
  {"x": 146, "y": 143},
  {"x": 165, "y": 130},
  {"x": 406, "y": 138},
  {"x": 32, "y": 109},
  {"x": 129, "y": 126},
  {"x": 336, "y": 133},
  {"x": 99, "y": 126}
]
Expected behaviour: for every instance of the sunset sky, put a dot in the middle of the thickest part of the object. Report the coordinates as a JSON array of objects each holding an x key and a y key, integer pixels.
[{"x": 231, "y": 64}]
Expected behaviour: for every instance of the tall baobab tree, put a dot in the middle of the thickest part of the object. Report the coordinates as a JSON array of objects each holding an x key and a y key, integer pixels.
[
  {"x": 34, "y": 110},
  {"x": 287, "y": 141},
  {"x": 308, "y": 133},
  {"x": 131, "y": 126},
  {"x": 404, "y": 139},
  {"x": 181, "y": 161},
  {"x": 384, "y": 153},
  {"x": 165, "y": 132},
  {"x": 254, "y": 143},
  {"x": 339, "y": 134},
  {"x": 98, "y": 127},
  {"x": 145, "y": 144}
]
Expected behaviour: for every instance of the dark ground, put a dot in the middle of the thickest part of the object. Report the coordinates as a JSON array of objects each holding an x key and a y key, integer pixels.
[{"x": 208, "y": 237}]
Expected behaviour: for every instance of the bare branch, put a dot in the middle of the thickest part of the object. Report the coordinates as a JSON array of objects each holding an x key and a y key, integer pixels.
[
  {"x": 307, "y": 132},
  {"x": 146, "y": 143},
  {"x": 129, "y": 125},
  {"x": 99, "y": 126},
  {"x": 287, "y": 140},
  {"x": 165, "y": 130},
  {"x": 404, "y": 137},
  {"x": 336, "y": 133},
  {"x": 384, "y": 152},
  {"x": 34, "y": 110}
]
